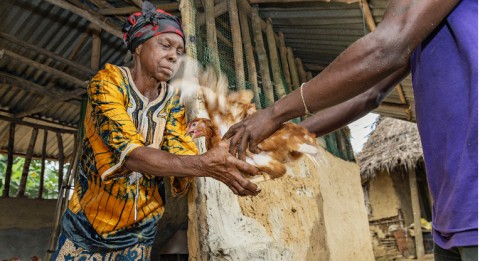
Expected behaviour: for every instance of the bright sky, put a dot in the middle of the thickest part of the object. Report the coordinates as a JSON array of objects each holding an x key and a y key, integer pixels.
[{"x": 360, "y": 129}]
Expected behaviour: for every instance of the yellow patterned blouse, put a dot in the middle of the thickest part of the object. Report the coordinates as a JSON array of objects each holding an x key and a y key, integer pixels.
[{"x": 112, "y": 207}]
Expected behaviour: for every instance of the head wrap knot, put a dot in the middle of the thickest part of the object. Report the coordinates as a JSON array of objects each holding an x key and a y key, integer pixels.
[{"x": 151, "y": 22}]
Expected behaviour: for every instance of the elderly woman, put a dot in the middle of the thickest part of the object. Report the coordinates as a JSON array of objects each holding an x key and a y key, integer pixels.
[{"x": 134, "y": 136}]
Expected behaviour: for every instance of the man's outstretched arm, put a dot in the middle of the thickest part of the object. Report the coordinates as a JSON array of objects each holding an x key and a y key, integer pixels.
[{"x": 335, "y": 117}]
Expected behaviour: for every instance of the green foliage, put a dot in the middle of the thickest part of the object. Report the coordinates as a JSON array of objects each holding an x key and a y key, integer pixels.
[{"x": 50, "y": 187}]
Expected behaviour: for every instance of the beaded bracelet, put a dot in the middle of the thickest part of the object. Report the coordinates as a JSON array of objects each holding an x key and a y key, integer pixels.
[{"x": 307, "y": 112}]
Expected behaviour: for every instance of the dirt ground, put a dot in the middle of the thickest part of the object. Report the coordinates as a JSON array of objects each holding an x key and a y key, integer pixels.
[{"x": 428, "y": 257}]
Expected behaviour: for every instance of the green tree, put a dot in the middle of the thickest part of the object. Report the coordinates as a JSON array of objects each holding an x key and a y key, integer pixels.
[{"x": 50, "y": 187}]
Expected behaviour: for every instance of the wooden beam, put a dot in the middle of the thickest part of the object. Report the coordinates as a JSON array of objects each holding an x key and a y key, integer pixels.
[
  {"x": 132, "y": 9},
  {"x": 220, "y": 9},
  {"x": 26, "y": 165},
  {"x": 137, "y": 2},
  {"x": 368, "y": 15},
  {"x": 35, "y": 125},
  {"x": 42, "y": 171},
  {"x": 299, "y": 1},
  {"x": 47, "y": 53},
  {"x": 412, "y": 177},
  {"x": 90, "y": 15},
  {"x": 42, "y": 67},
  {"x": 44, "y": 105},
  {"x": 26, "y": 85},
  {"x": 252, "y": 68},
  {"x": 96, "y": 50},
  {"x": 11, "y": 149},
  {"x": 237, "y": 44},
  {"x": 262, "y": 59},
  {"x": 274, "y": 61}
]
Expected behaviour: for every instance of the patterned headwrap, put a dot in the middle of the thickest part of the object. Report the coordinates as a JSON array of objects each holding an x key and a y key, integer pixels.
[{"x": 151, "y": 22}]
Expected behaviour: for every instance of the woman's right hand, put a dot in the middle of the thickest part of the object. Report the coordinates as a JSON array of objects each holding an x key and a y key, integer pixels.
[{"x": 219, "y": 164}]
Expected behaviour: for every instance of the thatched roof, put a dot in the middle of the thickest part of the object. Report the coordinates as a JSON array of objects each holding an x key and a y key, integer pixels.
[{"x": 392, "y": 145}]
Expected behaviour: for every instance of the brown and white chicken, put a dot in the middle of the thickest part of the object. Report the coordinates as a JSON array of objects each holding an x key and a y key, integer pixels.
[{"x": 225, "y": 108}]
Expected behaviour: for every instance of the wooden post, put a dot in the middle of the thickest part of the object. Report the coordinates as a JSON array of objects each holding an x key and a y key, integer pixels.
[
  {"x": 416, "y": 213},
  {"x": 262, "y": 58},
  {"x": 301, "y": 72},
  {"x": 61, "y": 159},
  {"x": 96, "y": 49},
  {"x": 309, "y": 75},
  {"x": 42, "y": 172},
  {"x": 283, "y": 56},
  {"x": 293, "y": 69},
  {"x": 26, "y": 166},
  {"x": 8, "y": 172},
  {"x": 274, "y": 62},
  {"x": 212, "y": 34},
  {"x": 62, "y": 201},
  {"x": 237, "y": 44},
  {"x": 252, "y": 68}
]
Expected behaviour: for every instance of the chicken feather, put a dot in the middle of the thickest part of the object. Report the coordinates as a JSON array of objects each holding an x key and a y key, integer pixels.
[{"x": 225, "y": 108}]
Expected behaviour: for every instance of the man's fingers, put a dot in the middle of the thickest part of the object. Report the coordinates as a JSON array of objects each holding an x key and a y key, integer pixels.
[
  {"x": 234, "y": 144},
  {"x": 253, "y": 147},
  {"x": 242, "y": 148},
  {"x": 233, "y": 130}
]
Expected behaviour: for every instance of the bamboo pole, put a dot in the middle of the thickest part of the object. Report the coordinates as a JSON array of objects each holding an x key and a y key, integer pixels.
[
  {"x": 237, "y": 44},
  {"x": 252, "y": 68},
  {"x": 283, "y": 56},
  {"x": 132, "y": 9},
  {"x": 420, "y": 251},
  {"x": 42, "y": 172},
  {"x": 26, "y": 165},
  {"x": 293, "y": 69},
  {"x": 212, "y": 34},
  {"x": 262, "y": 58},
  {"x": 8, "y": 172},
  {"x": 196, "y": 217},
  {"x": 274, "y": 62},
  {"x": 61, "y": 159},
  {"x": 301, "y": 72}
]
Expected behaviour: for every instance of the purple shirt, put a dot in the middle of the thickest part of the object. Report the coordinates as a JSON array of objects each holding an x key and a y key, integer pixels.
[{"x": 445, "y": 83}]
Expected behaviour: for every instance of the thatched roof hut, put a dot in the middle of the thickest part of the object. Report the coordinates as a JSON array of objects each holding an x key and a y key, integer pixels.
[{"x": 393, "y": 144}]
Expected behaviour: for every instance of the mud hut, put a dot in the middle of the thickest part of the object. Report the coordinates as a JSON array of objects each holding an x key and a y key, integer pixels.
[{"x": 395, "y": 188}]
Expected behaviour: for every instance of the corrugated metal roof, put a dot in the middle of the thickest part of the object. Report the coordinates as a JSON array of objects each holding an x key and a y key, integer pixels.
[{"x": 32, "y": 84}]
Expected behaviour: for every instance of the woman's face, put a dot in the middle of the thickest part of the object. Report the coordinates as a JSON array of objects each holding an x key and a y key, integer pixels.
[{"x": 159, "y": 56}]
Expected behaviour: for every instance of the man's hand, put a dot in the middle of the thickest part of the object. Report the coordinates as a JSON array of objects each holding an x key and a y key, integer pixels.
[
  {"x": 219, "y": 164},
  {"x": 248, "y": 133}
]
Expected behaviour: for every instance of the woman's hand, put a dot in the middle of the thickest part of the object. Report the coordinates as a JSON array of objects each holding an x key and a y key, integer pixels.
[
  {"x": 248, "y": 133},
  {"x": 219, "y": 164}
]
